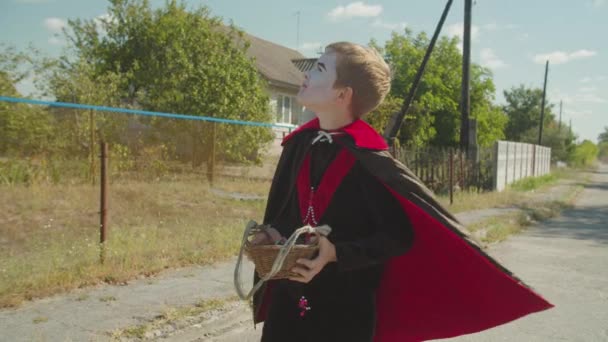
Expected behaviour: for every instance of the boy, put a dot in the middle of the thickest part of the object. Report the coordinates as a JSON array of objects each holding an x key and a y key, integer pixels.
[{"x": 396, "y": 266}]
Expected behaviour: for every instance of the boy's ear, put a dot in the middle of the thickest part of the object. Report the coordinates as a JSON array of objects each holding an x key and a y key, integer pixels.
[{"x": 346, "y": 95}]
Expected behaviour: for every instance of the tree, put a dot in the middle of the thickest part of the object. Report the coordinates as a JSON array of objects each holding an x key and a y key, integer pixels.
[
  {"x": 491, "y": 120},
  {"x": 25, "y": 130},
  {"x": 603, "y": 151},
  {"x": 561, "y": 141},
  {"x": 603, "y": 137},
  {"x": 180, "y": 61},
  {"x": 523, "y": 110},
  {"x": 435, "y": 117},
  {"x": 585, "y": 154},
  {"x": 78, "y": 131}
]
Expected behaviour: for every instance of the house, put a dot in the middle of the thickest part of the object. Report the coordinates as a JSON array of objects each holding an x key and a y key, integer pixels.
[{"x": 283, "y": 68}]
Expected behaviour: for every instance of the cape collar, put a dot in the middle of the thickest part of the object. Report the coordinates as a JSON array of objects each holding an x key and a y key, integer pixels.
[{"x": 364, "y": 135}]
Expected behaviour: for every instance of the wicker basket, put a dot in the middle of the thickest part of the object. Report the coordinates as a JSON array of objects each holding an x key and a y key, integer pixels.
[{"x": 263, "y": 256}]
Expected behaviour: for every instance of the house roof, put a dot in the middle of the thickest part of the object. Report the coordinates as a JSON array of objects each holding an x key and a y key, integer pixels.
[{"x": 274, "y": 62}]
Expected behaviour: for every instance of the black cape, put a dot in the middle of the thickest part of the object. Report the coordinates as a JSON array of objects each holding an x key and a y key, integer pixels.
[{"x": 445, "y": 285}]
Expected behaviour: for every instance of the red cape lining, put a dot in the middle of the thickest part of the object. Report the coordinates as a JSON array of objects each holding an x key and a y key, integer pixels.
[{"x": 442, "y": 287}]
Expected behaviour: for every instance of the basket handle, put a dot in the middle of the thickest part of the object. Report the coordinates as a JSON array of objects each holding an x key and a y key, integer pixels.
[{"x": 280, "y": 259}]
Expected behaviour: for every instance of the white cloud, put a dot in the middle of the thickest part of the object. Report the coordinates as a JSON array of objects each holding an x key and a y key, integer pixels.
[
  {"x": 457, "y": 30},
  {"x": 389, "y": 26},
  {"x": 582, "y": 95},
  {"x": 104, "y": 18},
  {"x": 560, "y": 57},
  {"x": 578, "y": 113},
  {"x": 585, "y": 80},
  {"x": 589, "y": 79},
  {"x": 588, "y": 89},
  {"x": 490, "y": 60},
  {"x": 313, "y": 46},
  {"x": 355, "y": 9},
  {"x": 598, "y": 3},
  {"x": 583, "y": 53},
  {"x": 54, "y": 40},
  {"x": 101, "y": 20},
  {"x": 589, "y": 98},
  {"x": 54, "y": 24}
]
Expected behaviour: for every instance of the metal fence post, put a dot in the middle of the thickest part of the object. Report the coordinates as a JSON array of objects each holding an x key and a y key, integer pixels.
[
  {"x": 461, "y": 156},
  {"x": 211, "y": 160},
  {"x": 103, "y": 201},
  {"x": 451, "y": 176}
]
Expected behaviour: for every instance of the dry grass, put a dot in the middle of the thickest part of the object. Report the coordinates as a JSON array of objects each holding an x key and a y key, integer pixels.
[
  {"x": 517, "y": 195},
  {"x": 499, "y": 228},
  {"x": 466, "y": 201},
  {"x": 243, "y": 186},
  {"x": 49, "y": 234},
  {"x": 171, "y": 316}
]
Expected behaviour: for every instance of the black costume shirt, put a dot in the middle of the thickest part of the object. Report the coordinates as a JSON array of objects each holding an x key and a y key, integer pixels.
[{"x": 368, "y": 228}]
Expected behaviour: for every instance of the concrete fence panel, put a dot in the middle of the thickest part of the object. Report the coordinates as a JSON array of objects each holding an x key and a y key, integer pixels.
[{"x": 514, "y": 161}]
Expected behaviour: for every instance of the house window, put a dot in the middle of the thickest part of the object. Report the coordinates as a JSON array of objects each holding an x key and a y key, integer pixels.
[{"x": 284, "y": 106}]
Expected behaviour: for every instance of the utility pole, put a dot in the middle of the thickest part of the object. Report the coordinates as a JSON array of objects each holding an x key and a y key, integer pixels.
[
  {"x": 465, "y": 100},
  {"x": 542, "y": 108}
]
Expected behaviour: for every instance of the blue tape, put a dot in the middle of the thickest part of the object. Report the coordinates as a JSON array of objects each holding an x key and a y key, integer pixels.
[{"x": 141, "y": 112}]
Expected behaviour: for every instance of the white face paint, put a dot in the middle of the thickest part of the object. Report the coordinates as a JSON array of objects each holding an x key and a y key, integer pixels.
[{"x": 317, "y": 93}]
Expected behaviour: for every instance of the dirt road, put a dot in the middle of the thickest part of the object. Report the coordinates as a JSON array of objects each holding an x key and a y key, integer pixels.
[{"x": 566, "y": 260}]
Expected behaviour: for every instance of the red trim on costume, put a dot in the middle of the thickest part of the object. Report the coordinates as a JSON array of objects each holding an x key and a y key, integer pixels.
[
  {"x": 330, "y": 181},
  {"x": 442, "y": 287},
  {"x": 320, "y": 198},
  {"x": 365, "y": 136}
]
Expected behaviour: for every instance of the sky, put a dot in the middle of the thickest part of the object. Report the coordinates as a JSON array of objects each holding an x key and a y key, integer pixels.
[{"x": 513, "y": 38}]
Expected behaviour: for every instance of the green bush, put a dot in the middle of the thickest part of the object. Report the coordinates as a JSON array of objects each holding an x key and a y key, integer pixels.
[{"x": 585, "y": 154}]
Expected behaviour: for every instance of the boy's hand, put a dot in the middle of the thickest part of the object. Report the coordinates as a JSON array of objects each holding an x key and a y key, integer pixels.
[{"x": 310, "y": 268}]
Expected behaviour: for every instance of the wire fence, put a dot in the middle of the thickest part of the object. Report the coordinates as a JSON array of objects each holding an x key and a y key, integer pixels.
[
  {"x": 179, "y": 190},
  {"x": 445, "y": 170}
]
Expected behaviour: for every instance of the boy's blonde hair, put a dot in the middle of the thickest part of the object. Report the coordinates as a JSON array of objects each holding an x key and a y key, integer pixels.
[{"x": 365, "y": 71}]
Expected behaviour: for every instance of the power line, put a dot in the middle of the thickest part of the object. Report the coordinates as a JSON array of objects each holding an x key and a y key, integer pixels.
[{"x": 140, "y": 112}]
